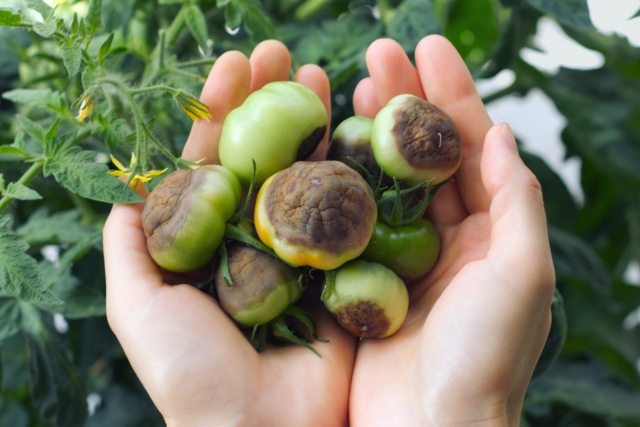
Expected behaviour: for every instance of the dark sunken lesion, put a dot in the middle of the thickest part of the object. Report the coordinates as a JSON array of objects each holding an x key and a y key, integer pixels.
[
  {"x": 364, "y": 319},
  {"x": 165, "y": 208},
  {"x": 321, "y": 205},
  {"x": 426, "y": 136},
  {"x": 310, "y": 143}
]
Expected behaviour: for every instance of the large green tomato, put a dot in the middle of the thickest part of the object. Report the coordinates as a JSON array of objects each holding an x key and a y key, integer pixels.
[
  {"x": 184, "y": 217},
  {"x": 368, "y": 299},
  {"x": 277, "y": 125},
  {"x": 415, "y": 141},
  {"x": 409, "y": 250}
]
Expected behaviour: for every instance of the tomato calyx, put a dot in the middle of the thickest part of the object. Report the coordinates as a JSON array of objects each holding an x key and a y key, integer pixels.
[{"x": 281, "y": 329}]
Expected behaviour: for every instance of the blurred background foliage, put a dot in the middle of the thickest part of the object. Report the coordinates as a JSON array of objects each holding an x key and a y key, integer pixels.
[{"x": 62, "y": 366}]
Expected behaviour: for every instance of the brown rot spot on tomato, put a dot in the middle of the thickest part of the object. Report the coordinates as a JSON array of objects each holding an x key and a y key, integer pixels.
[
  {"x": 365, "y": 319},
  {"x": 321, "y": 205},
  {"x": 425, "y": 135}
]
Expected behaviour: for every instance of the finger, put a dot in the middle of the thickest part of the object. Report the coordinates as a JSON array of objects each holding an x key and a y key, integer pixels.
[
  {"x": 446, "y": 209},
  {"x": 226, "y": 88},
  {"x": 519, "y": 239},
  {"x": 391, "y": 71},
  {"x": 132, "y": 275},
  {"x": 270, "y": 62},
  {"x": 316, "y": 79},
  {"x": 365, "y": 100},
  {"x": 448, "y": 84}
]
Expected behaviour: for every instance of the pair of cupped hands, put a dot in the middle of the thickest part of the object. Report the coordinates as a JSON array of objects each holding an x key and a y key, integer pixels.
[{"x": 476, "y": 323}]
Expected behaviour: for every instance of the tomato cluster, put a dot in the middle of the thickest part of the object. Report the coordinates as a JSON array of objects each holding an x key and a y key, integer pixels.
[{"x": 358, "y": 215}]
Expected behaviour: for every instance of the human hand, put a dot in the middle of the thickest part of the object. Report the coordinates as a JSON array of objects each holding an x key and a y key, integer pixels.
[
  {"x": 478, "y": 321},
  {"x": 197, "y": 366}
]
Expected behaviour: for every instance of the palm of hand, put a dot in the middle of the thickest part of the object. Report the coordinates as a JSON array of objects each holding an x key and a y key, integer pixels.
[{"x": 196, "y": 365}]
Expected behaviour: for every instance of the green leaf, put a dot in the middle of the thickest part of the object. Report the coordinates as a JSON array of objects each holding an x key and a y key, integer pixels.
[
  {"x": 197, "y": 24},
  {"x": 13, "y": 414},
  {"x": 21, "y": 192},
  {"x": 413, "y": 20},
  {"x": 571, "y": 12},
  {"x": 52, "y": 130},
  {"x": 222, "y": 3},
  {"x": 636, "y": 15},
  {"x": 55, "y": 385},
  {"x": 256, "y": 20},
  {"x": 9, "y": 151},
  {"x": 46, "y": 28},
  {"x": 9, "y": 317},
  {"x": 32, "y": 128},
  {"x": 93, "y": 19},
  {"x": 106, "y": 46},
  {"x": 90, "y": 75},
  {"x": 173, "y": 1},
  {"x": 80, "y": 301},
  {"x": 72, "y": 56},
  {"x": 60, "y": 227},
  {"x": 574, "y": 257},
  {"x": 75, "y": 170},
  {"x": 41, "y": 7},
  {"x": 586, "y": 387},
  {"x": 9, "y": 19},
  {"x": 19, "y": 276},
  {"x": 34, "y": 97},
  {"x": 233, "y": 16}
]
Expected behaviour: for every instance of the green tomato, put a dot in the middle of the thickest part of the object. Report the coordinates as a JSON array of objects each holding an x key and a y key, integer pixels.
[
  {"x": 352, "y": 139},
  {"x": 184, "y": 217},
  {"x": 409, "y": 250},
  {"x": 415, "y": 141},
  {"x": 277, "y": 125},
  {"x": 263, "y": 286},
  {"x": 368, "y": 299}
]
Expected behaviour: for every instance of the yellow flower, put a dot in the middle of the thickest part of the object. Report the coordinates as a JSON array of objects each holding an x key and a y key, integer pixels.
[
  {"x": 85, "y": 108},
  {"x": 137, "y": 178},
  {"x": 193, "y": 108}
]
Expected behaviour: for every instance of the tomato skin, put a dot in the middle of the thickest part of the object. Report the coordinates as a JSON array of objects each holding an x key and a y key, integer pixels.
[
  {"x": 409, "y": 250},
  {"x": 368, "y": 299},
  {"x": 184, "y": 217},
  {"x": 276, "y": 125}
]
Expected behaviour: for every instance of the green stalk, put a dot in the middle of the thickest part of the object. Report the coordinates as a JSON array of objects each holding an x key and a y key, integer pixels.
[
  {"x": 25, "y": 179},
  {"x": 196, "y": 62}
]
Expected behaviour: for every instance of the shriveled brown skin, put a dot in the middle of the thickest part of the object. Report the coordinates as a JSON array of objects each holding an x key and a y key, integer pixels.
[
  {"x": 310, "y": 143},
  {"x": 164, "y": 209},
  {"x": 426, "y": 136},
  {"x": 364, "y": 319},
  {"x": 323, "y": 205},
  {"x": 361, "y": 151},
  {"x": 255, "y": 275}
]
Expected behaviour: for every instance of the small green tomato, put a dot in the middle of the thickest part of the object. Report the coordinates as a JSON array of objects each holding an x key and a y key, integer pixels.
[
  {"x": 184, "y": 217},
  {"x": 415, "y": 141},
  {"x": 277, "y": 125},
  {"x": 263, "y": 286},
  {"x": 368, "y": 299}
]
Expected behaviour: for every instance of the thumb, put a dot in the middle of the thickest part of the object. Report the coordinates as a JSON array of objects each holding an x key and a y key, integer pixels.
[{"x": 519, "y": 239}]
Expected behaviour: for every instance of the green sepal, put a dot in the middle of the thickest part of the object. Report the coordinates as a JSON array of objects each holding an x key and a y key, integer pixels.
[
  {"x": 234, "y": 232},
  {"x": 224, "y": 264},
  {"x": 238, "y": 215},
  {"x": 329, "y": 284},
  {"x": 280, "y": 327}
]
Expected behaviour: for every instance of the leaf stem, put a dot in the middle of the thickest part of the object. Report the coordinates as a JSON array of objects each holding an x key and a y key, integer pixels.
[
  {"x": 196, "y": 62},
  {"x": 28, "y": 176}
]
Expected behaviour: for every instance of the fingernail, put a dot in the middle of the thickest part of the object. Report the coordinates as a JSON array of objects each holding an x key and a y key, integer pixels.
[{"x": 507, "y": 136}]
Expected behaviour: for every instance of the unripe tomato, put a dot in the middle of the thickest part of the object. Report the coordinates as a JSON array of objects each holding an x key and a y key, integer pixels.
[
  {"x": 368, "y": 299},
  {"x": 263, "y": 286},
  {"x": 184, "y": 217},
  {"x": 415, "y": 141},
  {"x": 409, "y": 250},
  {"x": 276, "y": 125}
]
